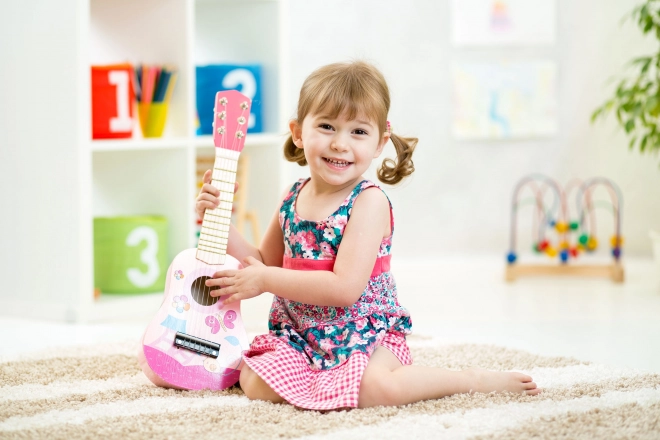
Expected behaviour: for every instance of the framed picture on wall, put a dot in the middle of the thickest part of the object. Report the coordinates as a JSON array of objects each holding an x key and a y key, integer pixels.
[
  {"x": 503, "y": 100},
  {"x": 504, "y": 22}
]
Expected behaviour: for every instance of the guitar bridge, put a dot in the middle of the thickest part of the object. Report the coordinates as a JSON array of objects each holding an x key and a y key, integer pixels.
[{"x": 198, "y": 345}]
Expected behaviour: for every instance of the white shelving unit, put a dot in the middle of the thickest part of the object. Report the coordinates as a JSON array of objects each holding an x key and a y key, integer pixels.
[{"x": 138, "y": 176}]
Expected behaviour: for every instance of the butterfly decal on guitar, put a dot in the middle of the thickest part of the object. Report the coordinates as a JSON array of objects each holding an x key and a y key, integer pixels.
[
  {"x": 194, "y": 341},
  {"x": 218, "y": 320}
]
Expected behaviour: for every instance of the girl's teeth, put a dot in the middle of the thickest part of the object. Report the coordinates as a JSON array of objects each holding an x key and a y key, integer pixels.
[{"x": 336, "y": 163}]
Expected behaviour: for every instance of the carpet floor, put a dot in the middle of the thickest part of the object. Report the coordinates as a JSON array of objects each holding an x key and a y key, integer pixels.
[{"x": 100, "y": 392}]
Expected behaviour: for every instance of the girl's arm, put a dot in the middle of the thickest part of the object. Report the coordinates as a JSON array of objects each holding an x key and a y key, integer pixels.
[
  {"x": 271, "y": 248},
  {"x": 369, "y": 223}
]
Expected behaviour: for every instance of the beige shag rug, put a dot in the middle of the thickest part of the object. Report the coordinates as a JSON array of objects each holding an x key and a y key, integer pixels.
[{"x": 99, "y": 392}]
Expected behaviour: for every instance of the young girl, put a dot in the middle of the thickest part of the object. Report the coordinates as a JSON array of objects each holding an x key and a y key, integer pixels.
[{"x": 337, "y": 333}]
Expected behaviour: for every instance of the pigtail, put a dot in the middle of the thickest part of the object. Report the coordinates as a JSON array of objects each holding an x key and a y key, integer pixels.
[
  {"x": 391, "y": 172},
  {"x": 293, "y": 153}
]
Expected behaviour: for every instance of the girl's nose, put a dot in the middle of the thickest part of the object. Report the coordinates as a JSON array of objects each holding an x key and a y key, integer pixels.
[{"x": 339, "y": 143}]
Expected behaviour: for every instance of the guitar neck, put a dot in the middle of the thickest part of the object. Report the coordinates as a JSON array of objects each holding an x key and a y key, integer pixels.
[
  {"x": 230, "y": 117},
  {"x": 213, "y": 237}
]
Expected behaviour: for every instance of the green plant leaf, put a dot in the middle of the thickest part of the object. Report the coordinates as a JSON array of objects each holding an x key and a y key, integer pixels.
[
  {"x": 651, "y": 104},
  {"x": 642, "y": 144},
  {"x": 630, "y": 125},
  {"x": 631, "y": 144}
]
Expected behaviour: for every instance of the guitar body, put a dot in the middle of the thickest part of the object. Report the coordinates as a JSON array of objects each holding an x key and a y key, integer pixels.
[
  {"x": 188, "y": 308},
  {"x": 194, "y": 342}
]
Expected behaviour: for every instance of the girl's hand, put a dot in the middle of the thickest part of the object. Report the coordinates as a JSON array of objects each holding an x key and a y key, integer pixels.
[
  {"x": 239, "y": 284},
  {"x": 208, "y": 195}
]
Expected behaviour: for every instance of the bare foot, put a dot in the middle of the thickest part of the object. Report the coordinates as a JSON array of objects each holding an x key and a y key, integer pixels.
[{"x": 486, "y": 381}]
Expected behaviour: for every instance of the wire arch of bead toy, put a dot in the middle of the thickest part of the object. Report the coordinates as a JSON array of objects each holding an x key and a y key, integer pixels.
[{"x": 563, "y": 234}]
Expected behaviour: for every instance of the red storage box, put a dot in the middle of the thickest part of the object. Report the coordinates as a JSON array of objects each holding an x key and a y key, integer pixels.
[{"x": 113, "y": 98}]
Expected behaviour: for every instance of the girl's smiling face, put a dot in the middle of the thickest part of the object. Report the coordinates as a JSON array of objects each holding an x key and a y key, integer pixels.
[{"x": 338, "y": 150}]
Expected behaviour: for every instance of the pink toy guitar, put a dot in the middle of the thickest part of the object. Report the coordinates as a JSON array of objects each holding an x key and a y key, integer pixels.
[{"x": 193, "y": 343}]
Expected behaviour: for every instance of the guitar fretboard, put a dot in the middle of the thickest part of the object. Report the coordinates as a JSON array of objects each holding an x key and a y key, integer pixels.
[{"x": 213, "y": 237}]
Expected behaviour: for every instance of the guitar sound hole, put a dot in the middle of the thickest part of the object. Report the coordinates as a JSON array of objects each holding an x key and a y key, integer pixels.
[{"x": 201, "y": 292}]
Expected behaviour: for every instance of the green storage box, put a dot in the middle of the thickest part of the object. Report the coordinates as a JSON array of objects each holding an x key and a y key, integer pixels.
[{"x": 130, "y": 254}]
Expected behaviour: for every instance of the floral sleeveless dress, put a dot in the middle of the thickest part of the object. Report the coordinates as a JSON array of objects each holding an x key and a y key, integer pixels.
[{"x": 314, "y": 356}]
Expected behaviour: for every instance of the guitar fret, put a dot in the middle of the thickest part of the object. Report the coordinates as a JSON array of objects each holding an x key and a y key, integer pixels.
[
  {"x": 223, "y": 186},
  {"x": 212, "y": 249},
  {"x": 210, "y": 257},
  {"x": 224, "y": 205},
  {"x": 225, "y": 169},
  {"x": 223, "y": 226},
  {"x": 224, "y": 176},
  {"x": 226, "y": 196},
  {"x": 222, "y": 248},
  {"x": 220, "y": 237},
  {"x": 204, "y": 227},
  {"x": 217, "y": 212},
  {"x": 223, "y": 223},
  {"x": 217, "y": 239}
]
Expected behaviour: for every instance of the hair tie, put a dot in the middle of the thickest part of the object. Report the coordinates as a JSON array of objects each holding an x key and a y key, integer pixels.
[{"x": 389, "y": 127}]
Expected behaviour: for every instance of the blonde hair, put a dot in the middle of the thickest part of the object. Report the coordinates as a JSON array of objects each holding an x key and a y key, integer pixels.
[{"x": 355, "y": 88}]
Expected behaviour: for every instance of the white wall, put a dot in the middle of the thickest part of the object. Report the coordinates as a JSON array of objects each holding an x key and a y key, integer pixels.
[
  {"x": 458, "y": 200},
  {"x": 40, "y": 160}
]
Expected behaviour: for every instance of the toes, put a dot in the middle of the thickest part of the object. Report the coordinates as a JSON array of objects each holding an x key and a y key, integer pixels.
[
  {"x": 533, "y": 392},
  {"x": 529, "y": 385},
  {"x": 524, "y": 377}
]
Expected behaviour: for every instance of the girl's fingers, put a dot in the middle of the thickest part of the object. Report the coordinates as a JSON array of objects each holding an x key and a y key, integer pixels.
[
  {"x": 219, "y": 282},
  {"x": 207, "y": 176},
  {"x": 231, "y": 291},
  {"x": 207, "y": 188},
  {"x": 208, "y": 198},
  {"x": 225, "y": 274},
  {"x": 229, "y": 299}
]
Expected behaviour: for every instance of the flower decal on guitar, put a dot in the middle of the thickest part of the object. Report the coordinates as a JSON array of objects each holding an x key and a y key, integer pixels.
[
  {"x": 181, "y": 303},
  {"x": 218, "y": 320},
  {"x": 178, "y": 275}
]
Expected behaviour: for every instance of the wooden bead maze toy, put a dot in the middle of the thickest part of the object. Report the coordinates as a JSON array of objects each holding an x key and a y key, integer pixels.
[{"x": 559, "y": 237}]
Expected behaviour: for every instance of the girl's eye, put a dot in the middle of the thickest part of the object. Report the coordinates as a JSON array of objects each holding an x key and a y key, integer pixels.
[
  {"x": 360, "y": 131},
  {"x": 325, "y": 126}
]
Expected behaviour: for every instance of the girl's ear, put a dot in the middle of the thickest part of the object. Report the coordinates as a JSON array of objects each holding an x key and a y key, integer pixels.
[
  {"x": 381, "y": 145},
  {"x": 296, "y": 133}
]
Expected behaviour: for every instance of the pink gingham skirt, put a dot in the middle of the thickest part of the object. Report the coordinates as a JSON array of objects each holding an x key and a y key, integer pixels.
[{"x": 289, "y": 374}]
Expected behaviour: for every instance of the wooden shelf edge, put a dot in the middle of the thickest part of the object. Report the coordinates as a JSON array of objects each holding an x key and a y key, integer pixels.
[
  {"x": 109, "y": 145},
  {"x": 614, "y": 271}
]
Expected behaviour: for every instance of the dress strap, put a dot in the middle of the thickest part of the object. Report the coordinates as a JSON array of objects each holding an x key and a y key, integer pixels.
[{"x": 365, "y": 184}]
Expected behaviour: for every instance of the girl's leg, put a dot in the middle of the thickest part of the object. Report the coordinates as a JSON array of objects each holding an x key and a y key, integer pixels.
[
  {"x": 386, "y": 382},
  {"x": 255, "y": 388}
]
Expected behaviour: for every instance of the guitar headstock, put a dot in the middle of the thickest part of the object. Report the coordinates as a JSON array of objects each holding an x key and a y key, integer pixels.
[{"x": 230, "y": 119}]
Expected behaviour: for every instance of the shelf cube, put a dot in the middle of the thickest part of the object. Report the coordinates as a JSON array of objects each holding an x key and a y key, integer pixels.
[
  {"x": 113, "y": 97},
  {"x": 246, "y": 78},
  {"x": 130, "y": 254}
]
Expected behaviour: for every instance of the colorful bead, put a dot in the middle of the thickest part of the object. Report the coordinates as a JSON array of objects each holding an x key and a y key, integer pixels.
[
  {"x": 616, "y": 241},
  {"x": 592, "y": 244},
  {"x": 584, "y": 239}
]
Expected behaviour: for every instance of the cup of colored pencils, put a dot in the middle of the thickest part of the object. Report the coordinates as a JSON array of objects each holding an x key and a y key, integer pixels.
[{"x": 154, "y": 85}]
